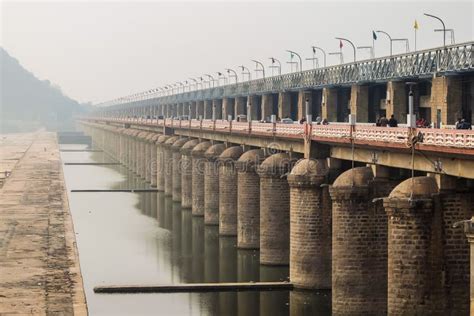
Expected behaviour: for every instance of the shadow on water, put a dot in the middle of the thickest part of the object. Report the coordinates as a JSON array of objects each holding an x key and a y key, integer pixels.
[{"x": 146, "y": 238}]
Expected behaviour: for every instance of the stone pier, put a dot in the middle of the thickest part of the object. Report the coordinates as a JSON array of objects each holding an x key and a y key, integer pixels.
[
  {"x": 198, "y": 163},
  {"x": 211, "y": 184}
]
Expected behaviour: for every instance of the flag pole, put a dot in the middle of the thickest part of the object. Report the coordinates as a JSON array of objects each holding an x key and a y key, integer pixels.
[{"x": 415, "y": 39}]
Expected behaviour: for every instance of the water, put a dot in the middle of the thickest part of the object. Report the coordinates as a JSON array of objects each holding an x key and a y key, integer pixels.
[{"x": 145, "y": 238}]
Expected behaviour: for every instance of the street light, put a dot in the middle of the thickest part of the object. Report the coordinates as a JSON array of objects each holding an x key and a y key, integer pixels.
[
  {"x": 447, "y": 30},
  {"x": 273, "y": 59},
  {"x": 291, "y": 57},
  {"x": 314, "y": 59},
  {"x": 256, "y": 67},
  {"x": 352, "y": 44},
  {"x": 442, "y": 22},
  {"x": 322, "y": 50},
  {"x": 220, "y": 76},
  {"x": 246, "y": 73},
  {"x": 211, "y": 78},
  {"x": 196, "y": 82},
  {"x": 389, "y": 37},
  {"x": 234, "y": 74}
]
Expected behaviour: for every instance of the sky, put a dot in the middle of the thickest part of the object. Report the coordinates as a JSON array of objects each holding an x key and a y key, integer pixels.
[{"x": 102, "y": 50}]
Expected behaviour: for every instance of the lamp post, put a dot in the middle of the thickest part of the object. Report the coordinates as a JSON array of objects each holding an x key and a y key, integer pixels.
[
  {"x": 322, "y": 50},
  {"x": 234, "y": 74},
  {"x": 261, "y": 65},
  {"x": 246, "y": 73},
  {"x": 294, "y": 53},
  {"x": 314, "y": 59},
  {"x": 389, "y": 37},
  {"x": 442, "y": 22},
  {"x": 273, "y": 59},
  {"x": 352, "y": 44},
  {"x": 195, "y": 83},
  {"x": 220, "y": 76},
  {"x": 211, "y": 78}
]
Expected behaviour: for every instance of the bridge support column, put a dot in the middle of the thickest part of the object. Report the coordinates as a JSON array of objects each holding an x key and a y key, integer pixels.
[
  {"x": 160, "y": 162},
  {"x": 253, "y": 105},
  {"x": 187, "y": 174},
  {"x": 148, "y": 157},
  {"x": 329, "y": 104},
  {"x": 446, "y": 97},
  {"x": 275, "y": 210},
  {"x": 358, "y": 246},
  {"x": 284, "y": 105},
  {"x": 227, "y": 108},
  {"x": 310, "y": 226},
  {"x": 267, "y": 106},
  {"x": 198, "y": 162},
  {"x": 457, "y": 200},
  {"x": 141, "y": 154},
  {"x": 199, "y": 109},
  {"x": 240, "y": 106},
  {"x": 176, "y": 165},
  {"x": 207, "y": 109},
  {"x": 192, "y": 110},
  {"x": 360, "y": 102},
  {"x": 228, "y": 191},
  {"x": 168, "y": 164},
  {"x": 397, "y": 101},
  {"x": 217, "y": 109},
  {"x": 304, "y": 95},
  {"x": 180, "y": 107},
  {"x": 414, "y": 249},
  {"x": 211, "y": 184},
  {"x": 186, "y": 109},
  {"x": 248, "y": 199},
  {"x": 154, "y": 149}
]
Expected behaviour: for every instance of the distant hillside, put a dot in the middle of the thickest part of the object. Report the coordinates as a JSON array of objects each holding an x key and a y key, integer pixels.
[{"x": 27, "y": 103}]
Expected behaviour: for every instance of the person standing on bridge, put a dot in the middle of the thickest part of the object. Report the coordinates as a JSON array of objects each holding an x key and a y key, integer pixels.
[
  {"x": 392, "y": 122},
  {"x": 383, "y": 121}
]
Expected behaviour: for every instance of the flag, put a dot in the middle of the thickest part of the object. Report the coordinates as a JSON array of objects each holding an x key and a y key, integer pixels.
[
  {"x": 340, "y": 44},
  {"x": 374, "y": 35},
  {"x": 416, "y": 26}
]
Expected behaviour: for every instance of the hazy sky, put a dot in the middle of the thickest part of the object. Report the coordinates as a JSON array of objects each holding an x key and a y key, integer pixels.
[{"x": 96, "y": 51}]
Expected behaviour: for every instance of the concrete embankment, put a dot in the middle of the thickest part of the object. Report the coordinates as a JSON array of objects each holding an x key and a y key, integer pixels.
[{"x": 39, "y": 264}]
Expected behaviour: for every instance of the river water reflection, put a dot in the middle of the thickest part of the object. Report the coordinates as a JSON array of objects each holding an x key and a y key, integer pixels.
[{"x": 146, "y": 238}]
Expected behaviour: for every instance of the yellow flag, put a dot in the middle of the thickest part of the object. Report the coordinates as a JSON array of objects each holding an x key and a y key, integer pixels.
[{"x": 416, "y": 26}]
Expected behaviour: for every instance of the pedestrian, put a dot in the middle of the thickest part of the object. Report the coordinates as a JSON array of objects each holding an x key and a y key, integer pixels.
[
  {"x": 318, "y": 120},
  {"x": 392, "y": 122},
  {"x": 383, "y": 121},
  {"x": 458, "y": 123}
]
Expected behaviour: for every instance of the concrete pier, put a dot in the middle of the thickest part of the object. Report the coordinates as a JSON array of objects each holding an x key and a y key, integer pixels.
[
  {"x": 198, "y": 177},
  {"x": 160, "y": 162},
  {"x": 176, "y": 154},
  {"x": 39, "y": 266},
  {"x": 187, "y": 173}
]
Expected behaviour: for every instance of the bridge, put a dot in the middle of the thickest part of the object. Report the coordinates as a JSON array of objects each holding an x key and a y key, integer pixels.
[{"x": 366, "y": 211}]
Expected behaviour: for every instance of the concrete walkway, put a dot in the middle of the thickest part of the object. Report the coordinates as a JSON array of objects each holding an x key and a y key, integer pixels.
[{"x": 39, "y": 265}]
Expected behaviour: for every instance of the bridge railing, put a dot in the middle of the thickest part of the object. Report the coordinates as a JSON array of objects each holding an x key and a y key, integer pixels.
[
  {"x": 453, "y": 58},
  {"x": 334, "y": 132}
]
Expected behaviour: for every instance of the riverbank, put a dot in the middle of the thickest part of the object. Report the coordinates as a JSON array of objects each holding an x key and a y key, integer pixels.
[{"x": 39, "y": 264}]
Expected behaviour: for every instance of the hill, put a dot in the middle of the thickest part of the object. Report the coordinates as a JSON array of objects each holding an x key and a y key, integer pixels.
[{"x": 27, "y": 103}]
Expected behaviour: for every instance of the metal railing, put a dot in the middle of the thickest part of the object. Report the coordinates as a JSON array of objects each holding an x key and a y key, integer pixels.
[
  {"x": 454, "y": 58},
  {"x": 334, "y": 132}
]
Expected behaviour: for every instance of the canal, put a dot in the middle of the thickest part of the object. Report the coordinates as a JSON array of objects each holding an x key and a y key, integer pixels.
[{"x": 146, "y": 238}]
